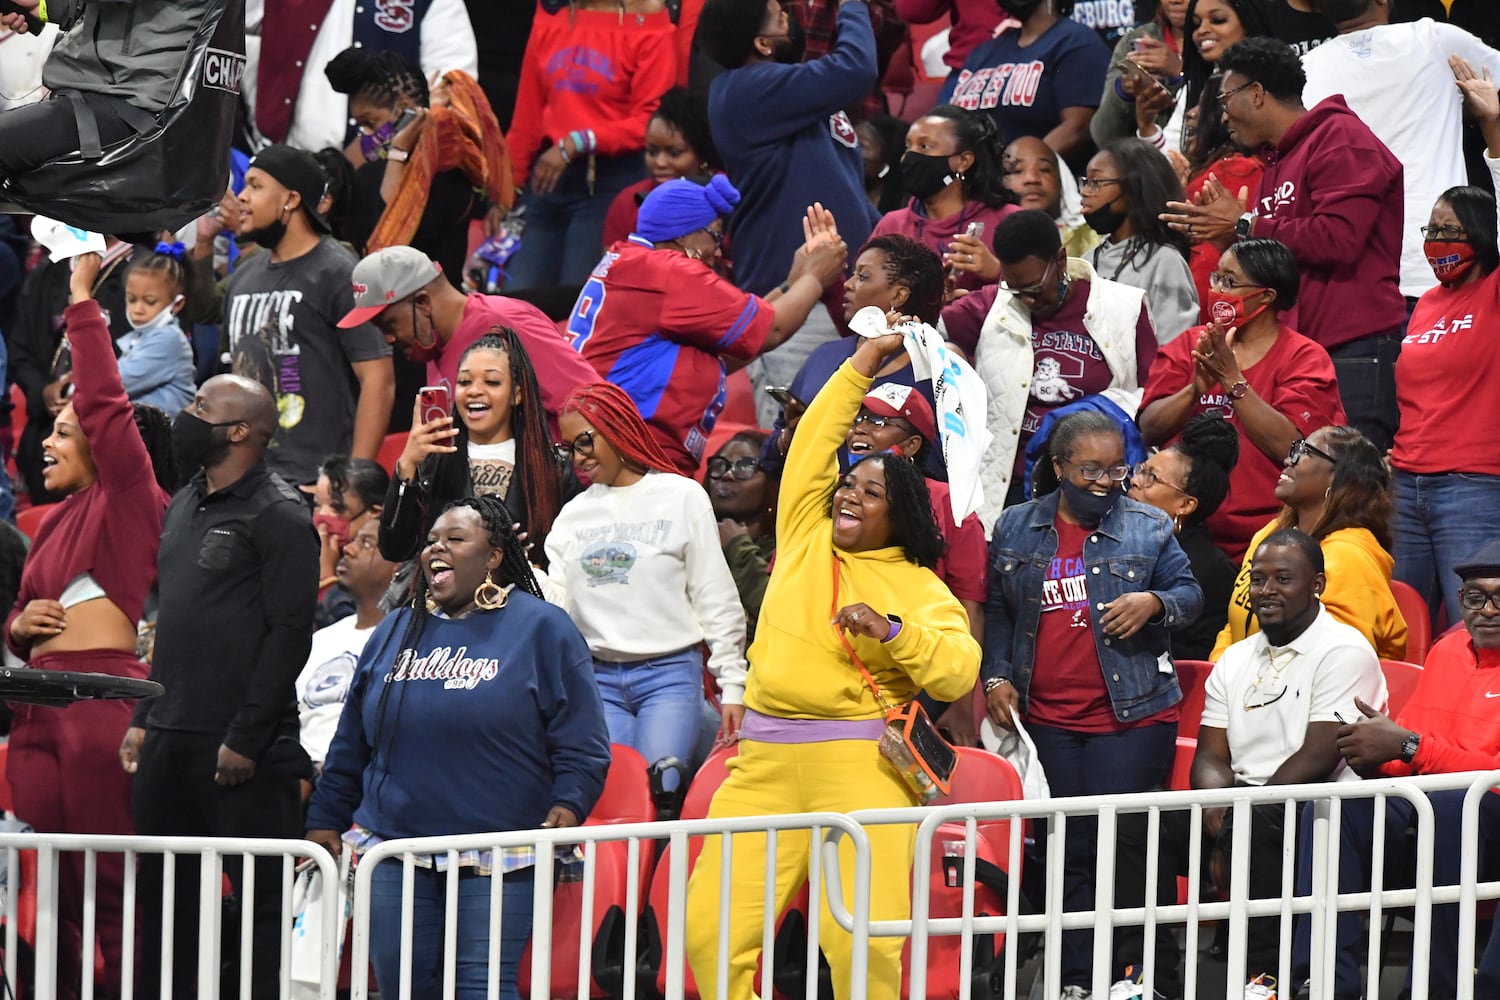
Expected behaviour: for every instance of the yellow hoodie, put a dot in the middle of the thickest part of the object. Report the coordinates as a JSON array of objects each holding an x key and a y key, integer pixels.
[
  {"x": 1358, "y": 592},
  {"x": 798, "y": 667}
]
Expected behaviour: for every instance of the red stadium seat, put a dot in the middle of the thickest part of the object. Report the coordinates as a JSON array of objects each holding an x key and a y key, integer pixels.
[
  {"x": 390, "y": 451},
  {"x": 1192, "y": 675},
  {"x": 1418, "y": 620},
  {"x": 30, "y": 519},
  {"x": 1182, "y": 763},
  {"x": 1401, "y": 679},
  {"x": 626, "y": 799}
]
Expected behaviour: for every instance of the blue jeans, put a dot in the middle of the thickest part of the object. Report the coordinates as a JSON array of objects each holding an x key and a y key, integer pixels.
[
  {"x": 1356, "y": 837},
  {"x": 655, "y": 706},
  {"x": 1440, "y": 521},
  {"x": 1366, "y": 370},
  {"x": 564, "y": 236},
  {"x": 1132, "y": 760},
  {"x": 472, "y": 950}
]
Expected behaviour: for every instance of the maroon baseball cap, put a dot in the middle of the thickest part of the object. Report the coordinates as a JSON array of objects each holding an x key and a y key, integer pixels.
[{"x": 895, "y": 400}]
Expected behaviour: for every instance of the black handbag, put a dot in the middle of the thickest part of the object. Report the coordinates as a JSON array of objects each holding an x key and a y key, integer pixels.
[{"x": 174, "y": 167}]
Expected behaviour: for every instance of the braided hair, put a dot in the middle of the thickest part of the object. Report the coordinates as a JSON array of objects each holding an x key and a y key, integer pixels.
[
  {"x": 1211, "y": 446},
  {"x": 611, "y": 410},
  {"x": 384, "y": 78},
  {"x": 914, "y": 527},
  {"x": 156, "y": 434},
  {"x": 917, "y": 268},
  {"x": 514, "y": 569}
]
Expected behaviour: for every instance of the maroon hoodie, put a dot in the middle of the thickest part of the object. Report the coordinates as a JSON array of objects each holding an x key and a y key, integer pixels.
[{"x": 1333, "y": 194}]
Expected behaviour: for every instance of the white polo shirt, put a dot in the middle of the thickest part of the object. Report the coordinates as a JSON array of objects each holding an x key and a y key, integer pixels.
[{"x": 1265, "y": 695}]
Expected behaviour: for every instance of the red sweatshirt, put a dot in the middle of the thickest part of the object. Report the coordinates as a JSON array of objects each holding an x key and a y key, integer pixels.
[
  {"x": 111, "y": 528},
  {"x": 1332, "y": 193},
  {"x": 600, "y": 72},
  {"x": 1455, "y": 709}
]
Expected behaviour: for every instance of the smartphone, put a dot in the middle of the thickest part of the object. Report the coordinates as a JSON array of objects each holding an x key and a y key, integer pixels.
[
  {"x": 1136, "y": 72},
  {"x": 407, "y": 117},
  {"x": 975, "y": 230},
  {"x": 436, "y": 403},
  {"x": 784, "y": 396}
]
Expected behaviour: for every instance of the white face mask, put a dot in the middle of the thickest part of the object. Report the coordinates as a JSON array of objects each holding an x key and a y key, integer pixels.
[{"x": 164, "y": 318}]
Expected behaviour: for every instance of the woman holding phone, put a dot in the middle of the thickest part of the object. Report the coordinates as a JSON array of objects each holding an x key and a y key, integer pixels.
[{"x": 499, "y": 445}]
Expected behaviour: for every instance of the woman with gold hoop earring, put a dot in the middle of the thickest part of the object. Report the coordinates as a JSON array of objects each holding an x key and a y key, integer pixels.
[
  {"x": 743, "y": 493},
  {"x": 493, "y": 682}
]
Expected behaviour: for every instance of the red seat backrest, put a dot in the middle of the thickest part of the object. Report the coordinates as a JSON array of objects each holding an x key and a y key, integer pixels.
[
  {"x": 1192, "y": 675},
  {"x": 1401, "y": 679},
  {"x": 707, "y": 781},
  {"x": 1418, "y": 620},
  {"x": 30, "y": 519},
  {"x": 627, "y": 791},
  {"x": 390, "y": 450}
]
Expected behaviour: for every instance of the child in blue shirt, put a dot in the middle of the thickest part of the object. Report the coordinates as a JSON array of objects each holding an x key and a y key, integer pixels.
[{"x": 156, "y": 357}]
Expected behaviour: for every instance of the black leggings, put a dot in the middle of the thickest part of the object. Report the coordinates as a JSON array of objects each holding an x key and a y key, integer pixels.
[{"x": 37, "y": 133}]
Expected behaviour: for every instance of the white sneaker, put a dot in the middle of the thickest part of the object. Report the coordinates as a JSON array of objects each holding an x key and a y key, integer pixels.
[
  {"x": 1262, "y": 987},
  {"x": 1076, "y": 993}
]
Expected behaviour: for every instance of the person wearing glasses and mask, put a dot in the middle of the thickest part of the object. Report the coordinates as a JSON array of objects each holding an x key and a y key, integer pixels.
[
  {"x": 1056, "y": 332},
  {"x": 743, "y": 494},
  {"x": 1085, "y": 587},
  {"x": 636, "y": 561},
  {"x": 657, "y": 321},
  {"x": 1271, "y": 383},
  {"x": 1334, "y": 486}
]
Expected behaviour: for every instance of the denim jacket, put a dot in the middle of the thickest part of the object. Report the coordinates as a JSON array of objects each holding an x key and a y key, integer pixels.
[{"x": 1133, "y": 549}]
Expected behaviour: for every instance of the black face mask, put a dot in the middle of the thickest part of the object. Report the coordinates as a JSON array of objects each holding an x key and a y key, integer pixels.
[
  {"x": 1089, "y": 509},
  {"x": 553, "y": 6},
  {"x": 268, "y": 236},
  {"x": 1339, "y": 11},
  {"x": 924, "y": 175},
  {"x": 1020, "y": 9},
  {"x": 198, "y": 443},
  {"x": 1104, "y": 220}
]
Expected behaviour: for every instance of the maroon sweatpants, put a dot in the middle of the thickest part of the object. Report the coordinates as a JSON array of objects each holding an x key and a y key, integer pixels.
[{"x": 64, "y": 771}]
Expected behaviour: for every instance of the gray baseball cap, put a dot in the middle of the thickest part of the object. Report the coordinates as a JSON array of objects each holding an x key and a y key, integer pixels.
[{"x": 388, "y": 276}]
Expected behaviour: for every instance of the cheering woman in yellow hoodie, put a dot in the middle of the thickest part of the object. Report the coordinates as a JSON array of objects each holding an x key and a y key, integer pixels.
[
  {"x": 1335, "y": 486},
  {"x": 853, "y": 573}
]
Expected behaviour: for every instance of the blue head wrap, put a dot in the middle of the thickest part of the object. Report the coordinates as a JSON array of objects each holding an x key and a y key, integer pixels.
[{"x": 679, "y": 207}]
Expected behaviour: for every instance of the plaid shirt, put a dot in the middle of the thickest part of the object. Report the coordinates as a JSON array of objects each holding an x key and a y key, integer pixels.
[{"x": 819, "y": 20}]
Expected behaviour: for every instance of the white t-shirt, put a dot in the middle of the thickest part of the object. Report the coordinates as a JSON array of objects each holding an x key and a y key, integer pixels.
[
  {"x": 21, "y": 59},
  {"x": 640, "y": 570},
  {"x": 491, "y": 467},
  {"x": 1316, "y": 675},
  {"x": 324, "y": 682},
  {"x": 1395, "y": 77}
]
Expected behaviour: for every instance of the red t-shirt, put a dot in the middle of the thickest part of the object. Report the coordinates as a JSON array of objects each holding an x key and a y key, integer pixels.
[
  {"x": 1067, "y": 685},
  {"x": 658, "y": 325},
  {"x": 1296, "y": 378},
  {"x": 964, "y": 566},
  {"x": 1445, "y": 379}
]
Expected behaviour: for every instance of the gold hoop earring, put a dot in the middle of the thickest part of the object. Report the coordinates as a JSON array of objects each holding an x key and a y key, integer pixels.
[
  {"x": 490, "y": 596},
  {"x": 432, "y": 606}
]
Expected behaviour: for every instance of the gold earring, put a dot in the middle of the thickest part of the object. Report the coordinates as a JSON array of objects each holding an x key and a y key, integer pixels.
[
  {"x": 432, "y": 606},
  {"x": 490, "y": 596}
]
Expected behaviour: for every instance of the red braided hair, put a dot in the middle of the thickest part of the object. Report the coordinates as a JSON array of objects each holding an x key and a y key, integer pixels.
[{"x": 613, "y": 413}]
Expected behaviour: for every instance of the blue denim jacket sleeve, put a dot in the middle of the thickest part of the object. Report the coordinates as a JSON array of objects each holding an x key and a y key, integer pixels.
[
  {"x": 1172, "y": 581},
  {"x": 999, "y": 616}
]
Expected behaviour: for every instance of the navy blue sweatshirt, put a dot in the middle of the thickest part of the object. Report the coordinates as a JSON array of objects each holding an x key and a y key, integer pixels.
[
  {"x": 787, "y": 143},
  {"x": 495, "y": 720}
]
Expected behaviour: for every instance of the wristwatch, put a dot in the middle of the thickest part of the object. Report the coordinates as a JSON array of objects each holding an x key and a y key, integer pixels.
[
  {"x": 1409, "y": 747},
  {"x": 1238, "y": 390},
  {"x": 398, "y": 155},
  {"x": 1242, "y": 227}
]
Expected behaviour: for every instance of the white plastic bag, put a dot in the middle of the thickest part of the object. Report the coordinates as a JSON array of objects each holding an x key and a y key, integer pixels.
[
  {"x": 1017, "y": 748},
  {"x": 307, "y": 927}
]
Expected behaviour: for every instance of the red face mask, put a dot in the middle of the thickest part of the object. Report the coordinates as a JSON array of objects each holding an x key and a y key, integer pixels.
[
  {"x": 337, "y": 527},
  {"x": 1450, "y": 259},
  {"x": 1229, "y": 310}
]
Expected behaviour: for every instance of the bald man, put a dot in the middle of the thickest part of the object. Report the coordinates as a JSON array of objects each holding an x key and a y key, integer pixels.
[{"x": 217, "y": 754}]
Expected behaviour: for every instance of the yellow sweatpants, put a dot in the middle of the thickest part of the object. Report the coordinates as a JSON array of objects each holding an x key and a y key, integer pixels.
[{"x": 766, "y": 778}]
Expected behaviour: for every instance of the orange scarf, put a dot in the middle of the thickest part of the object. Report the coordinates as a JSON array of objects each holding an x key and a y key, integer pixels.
[{"x": 463, "y": 136}]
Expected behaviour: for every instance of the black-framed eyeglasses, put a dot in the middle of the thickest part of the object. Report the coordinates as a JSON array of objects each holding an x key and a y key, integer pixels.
[
  {"x": 1444, "y": 233},
  {"x": 717, "y": 235},
  {"x": 581, "y": 445},
  {"x": 1301, "y": 449},
  {"x": 1475, "y": 600},
  {"x": 1225, "y": 95},
  {"x": 1148, "y": 478},
  {"x": 1032, "y": 291},
  {"x": 1089, "y": 185},
  {"x": 1221, "y": 282},
  {"x": 1093, "y": 473},
  {"x": 741, "y": 468},
  {"x": 877, "y": 421}
]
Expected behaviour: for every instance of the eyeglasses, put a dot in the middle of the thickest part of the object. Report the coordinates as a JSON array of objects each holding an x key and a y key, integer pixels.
[
  {"x": 717, "y": 235},
  {"x": 1221, "y": 282},
  {"x": 1089, "y": 185},
  {"x": 1093, "y": 473},
  {"x": 1268, "y": 689},
  {"x": 741, "y": 468},
  {"x": 1148, "y": 478},
  {"x": 1475, "y": 600},
  {"x": 583, "y": 444},
  {"x": 877, "y": 421},
  {"x": 1031, "y": 291},
  {"x": 1444, "y": 233},
  {"x": 1224, "y": 96},
  {"x": 1301, "y": 449}
]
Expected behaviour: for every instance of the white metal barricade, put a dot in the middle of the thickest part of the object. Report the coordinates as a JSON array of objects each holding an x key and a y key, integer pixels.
[
  {"x": 212, "y": 853},
  {"x": 639, "y": 837}
]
